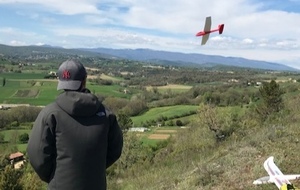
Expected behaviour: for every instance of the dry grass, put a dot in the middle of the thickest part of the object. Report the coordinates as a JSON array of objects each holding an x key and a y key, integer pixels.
[
  {"x": 195, "y": 161},
  {"x": 171, "y": 86},
  {"x": 159, "y": 136},
  {"x": 27, "y": 93},
  {"x": 166, "y": 131},
  {"x": 103, "y": 76}
]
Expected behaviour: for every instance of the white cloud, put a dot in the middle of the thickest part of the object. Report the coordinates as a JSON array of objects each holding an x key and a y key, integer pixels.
[
  {"x": 17, "y": 43},
  {"x": 39, "y": 44},
  {"x": 250, "y": 30},
  {"x": 67, "y": 7},
  {"x": 247, "y": 41}
]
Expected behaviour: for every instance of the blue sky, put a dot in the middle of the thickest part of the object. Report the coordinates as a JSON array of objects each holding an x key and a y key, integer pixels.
[{"x": 267, "y": 30}]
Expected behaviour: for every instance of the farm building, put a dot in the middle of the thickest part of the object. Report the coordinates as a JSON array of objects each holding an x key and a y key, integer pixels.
[
  {"x": 17, "y": 159},
  {"x": 139, "y": 129}
]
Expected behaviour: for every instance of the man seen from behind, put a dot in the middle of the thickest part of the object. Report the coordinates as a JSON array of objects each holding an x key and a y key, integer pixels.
[{"x": 75, "y": 138}]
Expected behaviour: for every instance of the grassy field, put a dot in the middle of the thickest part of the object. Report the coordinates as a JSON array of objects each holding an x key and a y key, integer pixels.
[
  {"x": 31, "y": 88},
  {"x": 8, "y": 134},
  {"x": 9, "y": 76},
  {"x": 13, "y": 136},
  {"x": 28, "y": 91},
  {"x": 43, "y": 91},
  {"x": 168, "y": 111},
  {"x": 157, "y": 134},
  {"x": 175, "y": 88},
  {"x": 105, "y": 77}
]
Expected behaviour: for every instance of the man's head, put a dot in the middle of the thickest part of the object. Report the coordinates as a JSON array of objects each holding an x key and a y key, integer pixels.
[{"x": 71, "y": 75}]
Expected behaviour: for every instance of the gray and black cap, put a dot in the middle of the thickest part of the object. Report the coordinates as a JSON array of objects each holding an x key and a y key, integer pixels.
[{"x": 70, "y": 74}]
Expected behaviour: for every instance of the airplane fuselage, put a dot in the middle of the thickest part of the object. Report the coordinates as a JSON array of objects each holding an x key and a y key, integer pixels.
[
  {"x": 202, "y": 33},
  {"x": 207, "y": 30}
]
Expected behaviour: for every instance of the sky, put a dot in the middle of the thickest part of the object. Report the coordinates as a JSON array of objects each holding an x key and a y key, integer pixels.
[{"x": 267, "y": 30}]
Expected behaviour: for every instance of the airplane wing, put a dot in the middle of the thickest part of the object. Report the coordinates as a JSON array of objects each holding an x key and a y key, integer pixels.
[
  {"x": 275, "y": 174},
  {"x": 268, "y": 179},
  {"x": 204, "y": 39},
  {"x": 292, "y": 176},
  {"x": 207, "y": 28},
  {"x": 263, "y": 180},
  {"x": 207, "y": 25}
]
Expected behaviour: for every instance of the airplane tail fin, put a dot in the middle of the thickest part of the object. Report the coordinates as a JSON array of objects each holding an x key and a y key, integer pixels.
[{"x": 221, "y": 27}]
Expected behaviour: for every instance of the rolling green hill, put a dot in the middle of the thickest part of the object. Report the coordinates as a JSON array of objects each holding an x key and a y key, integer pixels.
[
  {"x": 222, "y": 145},
  {"x": 168, "y": 112},
  {"x": 194, "y": 160}
]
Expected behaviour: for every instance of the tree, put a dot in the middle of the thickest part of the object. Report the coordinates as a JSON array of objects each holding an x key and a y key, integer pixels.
[
  {"x": 179, "y": 123},
  {"x": 30, "y": 180},
  {"x": 1, "y": 138},
  {"x": 23, "y": 138},
  {"x": 134, "y": 152},
  {"x": 135, "y": 107},
  {"x": 272, "y": 102},
  {"x": 222, "y": 123},
  {"x": 14, "y": 137},
  {"x": 115, "y": 104},
  {"x": 3, "y": 160},
  {"x": 124, "y": 121},
  {"x": 10, "y": 178},
  {"x": 3, "y": 81}
]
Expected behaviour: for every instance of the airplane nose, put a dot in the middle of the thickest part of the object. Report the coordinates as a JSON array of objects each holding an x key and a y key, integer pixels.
[{"x": 200, "y": 34}]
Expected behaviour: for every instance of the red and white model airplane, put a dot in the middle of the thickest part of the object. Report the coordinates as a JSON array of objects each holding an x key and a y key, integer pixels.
[{"x": 207, "y": 30}]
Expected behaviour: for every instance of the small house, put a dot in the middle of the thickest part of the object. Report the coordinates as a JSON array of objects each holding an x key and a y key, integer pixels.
[
  {"x": 17, "y": 159},
  {"x": 138, "y": 129}
]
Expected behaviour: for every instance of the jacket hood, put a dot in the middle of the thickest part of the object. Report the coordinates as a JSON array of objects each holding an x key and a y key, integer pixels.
[{"x": 78, "y": 103}]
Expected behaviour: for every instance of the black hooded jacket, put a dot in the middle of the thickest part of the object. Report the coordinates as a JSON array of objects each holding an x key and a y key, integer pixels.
[{"x": 73, "y": 141}]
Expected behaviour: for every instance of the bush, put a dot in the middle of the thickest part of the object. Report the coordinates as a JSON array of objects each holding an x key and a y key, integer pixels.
[
  {"x": 14, "y": 124},
  {"x": 1, "y": 138},
  {"x": 15, "y": 116},
  {"x": 23, "y": 138},
  {"x": 135, "y": 107},
  {"x": 179, "y": 123}
]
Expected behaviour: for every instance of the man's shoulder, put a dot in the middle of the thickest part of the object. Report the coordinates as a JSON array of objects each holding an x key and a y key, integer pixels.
[{"x": 52, "y": 107}]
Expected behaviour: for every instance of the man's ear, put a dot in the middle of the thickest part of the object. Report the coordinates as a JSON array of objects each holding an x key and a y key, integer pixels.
[{"x": 83, "y": 84}]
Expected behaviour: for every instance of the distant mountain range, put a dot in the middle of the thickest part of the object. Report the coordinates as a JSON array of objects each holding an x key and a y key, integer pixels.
[
  {"x": 194, "y": 59},
  {"x": 146, "y": 55}
]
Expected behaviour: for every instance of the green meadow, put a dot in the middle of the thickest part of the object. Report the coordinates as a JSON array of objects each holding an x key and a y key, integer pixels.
[
  {"x": 9, "y": 76},
  {"x": 35, "y": 90},
  {"x": 31, "y": 91},
  {"x": 174, "y": 88},
  {"x": 12, "y": 135},
  {"x": 9, "y": 134},
  {"x": 167, "y": 111}
]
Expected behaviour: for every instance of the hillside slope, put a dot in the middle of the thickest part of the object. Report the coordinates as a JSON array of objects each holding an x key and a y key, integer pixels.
[{"x": 195, "y": 161}]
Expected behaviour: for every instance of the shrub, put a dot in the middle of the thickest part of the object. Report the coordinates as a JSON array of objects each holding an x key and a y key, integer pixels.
[
  {"x": 1, "y": 138},
  {"x": 23, "y": 138},
  {"x": 179, "y": 123},
  {"x": 14, "y": 124}
]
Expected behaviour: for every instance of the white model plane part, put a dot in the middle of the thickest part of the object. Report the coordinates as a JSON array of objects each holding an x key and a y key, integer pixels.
[
  {"x": 207, "y": 28},
  {"x": 274, "y": 172},
  {"x": 275, "y": 175},
  {"x": 268, "y": 179}
]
